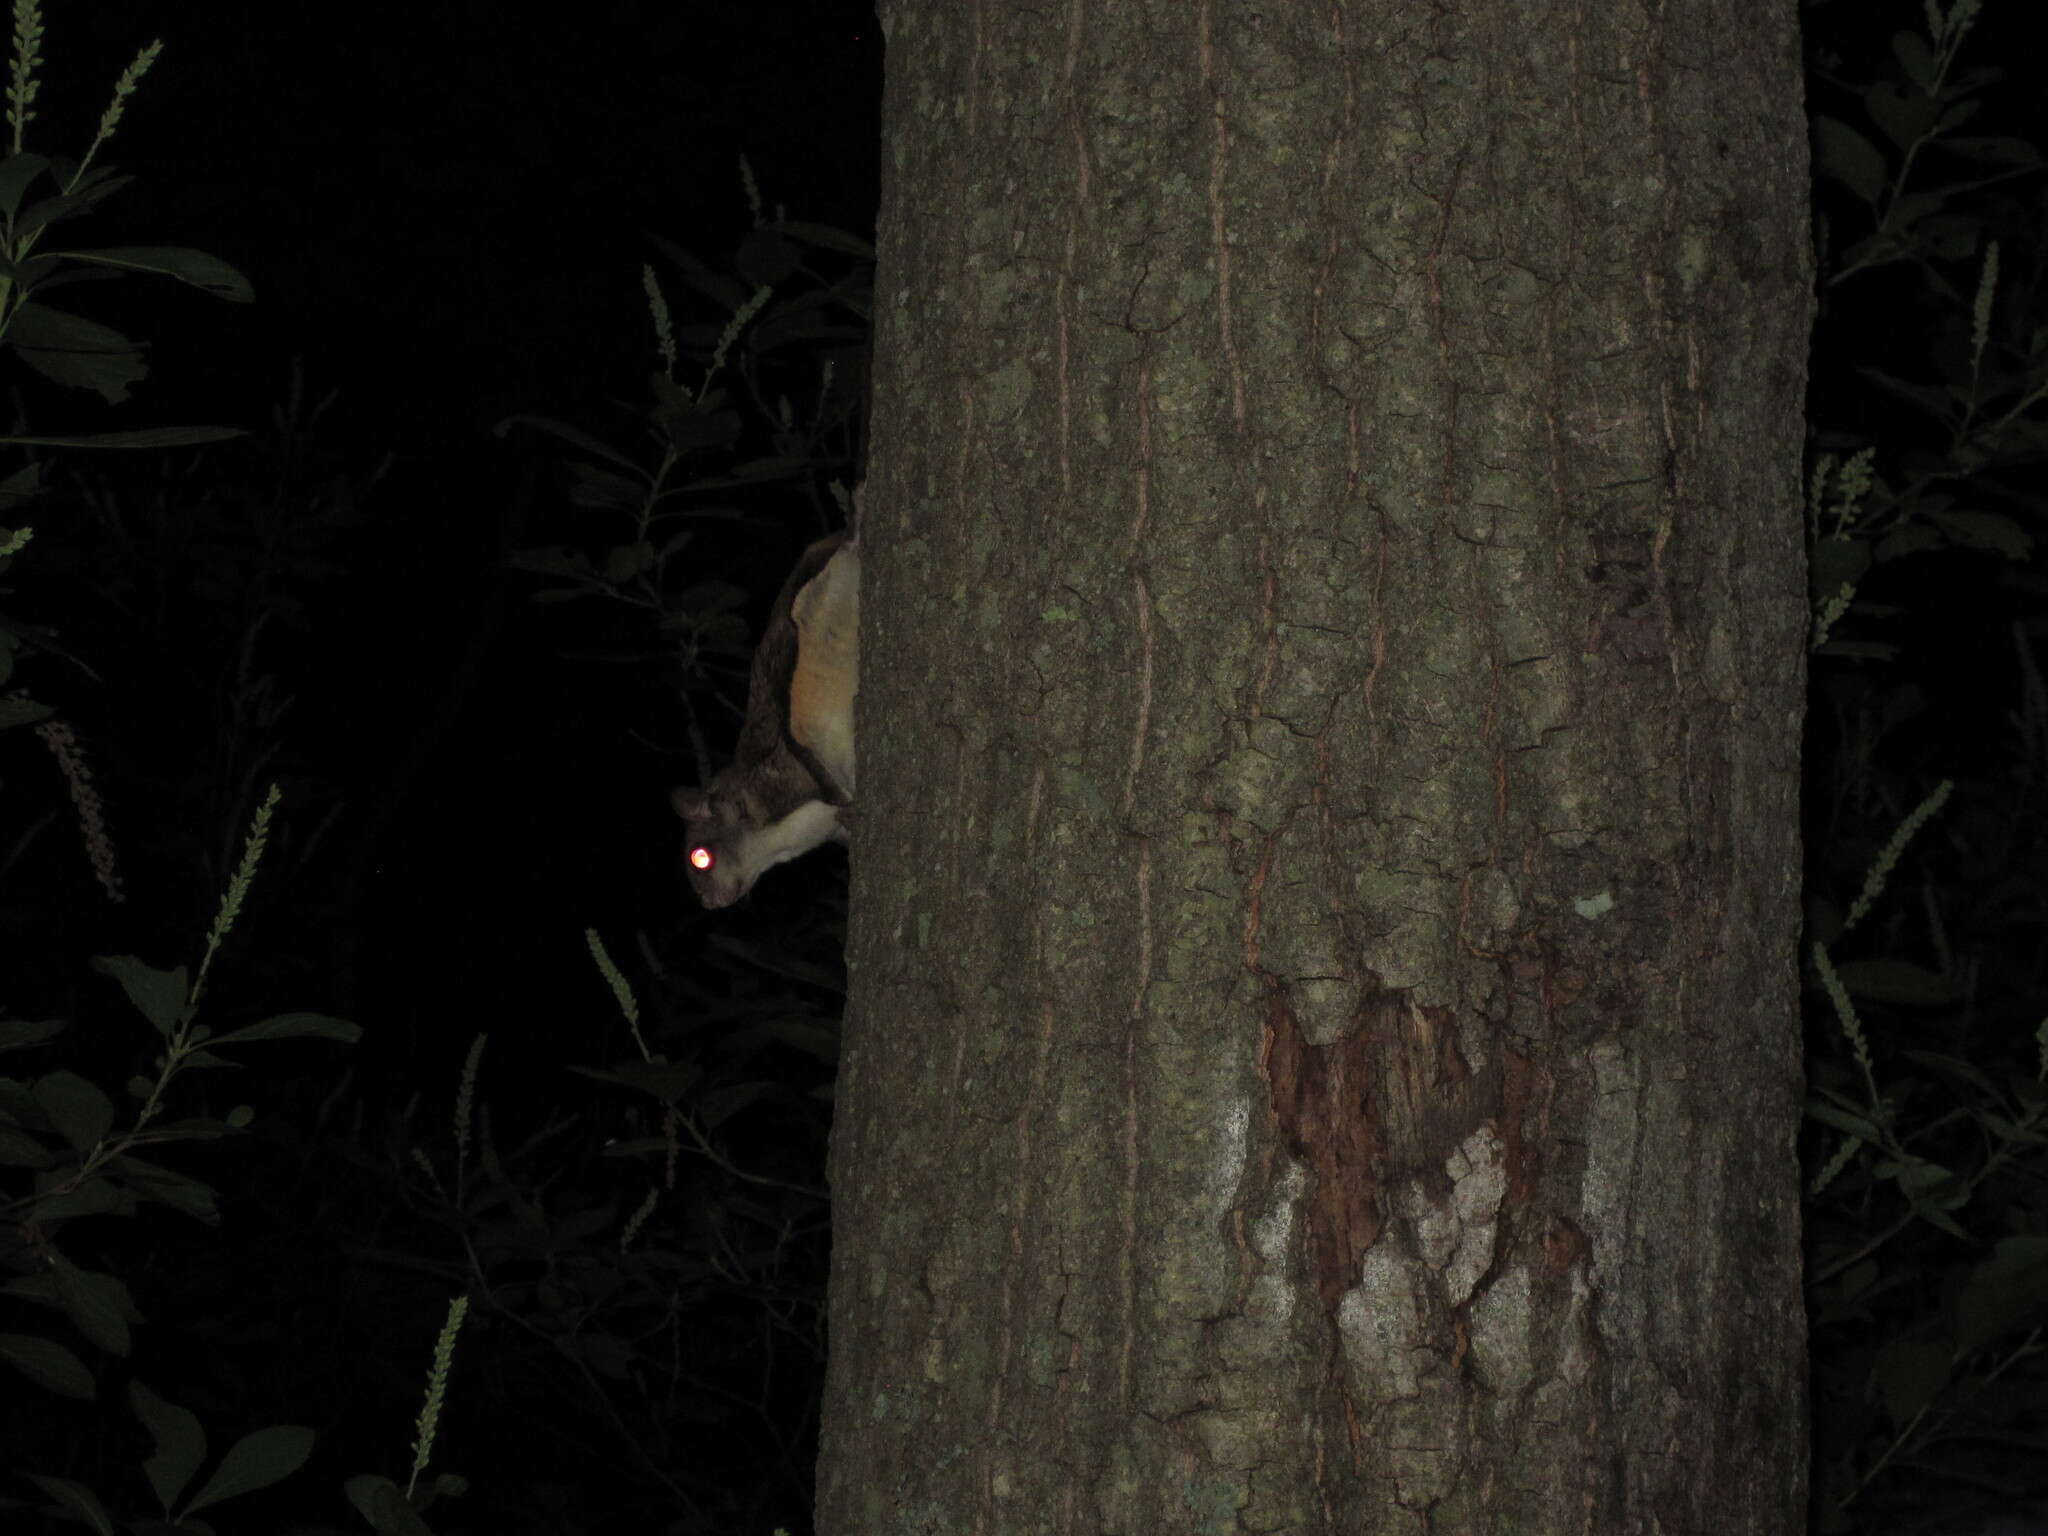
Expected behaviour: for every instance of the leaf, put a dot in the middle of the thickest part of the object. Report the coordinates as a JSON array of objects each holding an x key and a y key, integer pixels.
[
  {"x": 48, "y": 1364},
  {"x": 777, "y": 963},
  {"x": 1910, "y": 1373},
  {"x": 600, "y": 488},
  {"x": 379, "y": 1501},
  {"x": 721, "y": 1104},
  {"x": 257, "y": 1460},
  {"x": 1914, "y": 57},
  {"x": 140, "y": 437},
  {"x": 666, "y": 1082},
  {"x": 191, "y": 1128},
  {"x": 1838, "y": 561},
  {"x": 98, "y": 1304},
  {"x": 1986, "y": 530},
  {"x": 572, "y": 435},
  {"x": 552, "y": 560},
  {"x": 18, "y": 1149},
  {"x": 1941, "y": 1219},
  {"x": 19, "y": 1034},
  {"x": 150, "y": 1182},
  {"x": 1936, "y": 402},
  {"x": 2018, "y": 154},
  {"x": 605, "y": 1355},
  {"x": 1913, "y": 539},
  {"x": 1850, "y": 158},
  {"x": 826, "y": 237},
  {"x": 1895, "y": 981},
  {"x": 1905, "y": 116},
  {"x": 1843, "y": 1120},
  {"x": 2002, "y": 1293},
  {"x": 819, "y": 1040},
  {"x": 208, "y": 273},
  {"x": 1955, "y": 1067},
  {"x": 1914, "y": 1176},
  {"x": 21, "y": 711},
  {"x": 723, "y": 292},
  {"x": 78, "y": 1498},
  {"x": 81, "y": 1113},
  {"x": 1860, "y": 650},
  {"x": 78, "y": 353},
  {"x": 285, "y": 1026},
  {"x": 16, "y": 172},
  {"x": 95, "y": 1197},
  {"x": 180, "y": 1443},
  {"x": 623, "y": 562},
  {"x": 160, "y": 995}
]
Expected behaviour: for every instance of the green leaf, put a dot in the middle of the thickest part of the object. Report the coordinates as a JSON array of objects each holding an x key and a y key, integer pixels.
[
  {"x": 48, "y": 1364},
  {"x": 208, "y": 273},
  {"x": 286, "y": 1026},
  {"x": 1913, "y": 1175},
  {"x": 19, "y": 1034},
  {"x": 180, "y": 1443},
  {"x": 1905, "y": 116},
  {"x": 16, "y": 172},
  {"x": 1955, "y": 1067},
  {"x": 18, "y": 1149},
  {"x": 1910, "y": 1373},
  {"x": 1935, "y": 1217},
  {"x": 721, "y": 1104},
  {"x": 1913, "y": 539},
  {"x": 18, "y": 1101},
  {"x": 1843, "y": 1120},
  {"x": 192, "y": 1128},
  {"x": 21, "y": 711},
  {"x": 78, "y": 353},
  {"x": 552, "y": 560},
  {"x": 1850, "y": 158},
  {"x": 1938, "y": 403},
  {"x": 1986, "y": 530},
  {"x": 95, "y": 1197},
  {"x": 576, "y": 437},
  {"x": 81, "y": 1113},
  {"x": 1895, "y": 981},
  {"x": 257, "y": 1460},
  {"x": 1838, "y": 561},
  {"x": 379, "y": 1501},
  {"x": 98, "y": 1304},
  {"x": 665, "y": 1081},
  {"x": 2004, "y": 1293},
  {"x": 150, "y": 1182},
  {"x": 77, "y": 1498},
  {"x": 623, "y": 562},
  {"x": 140, "y": 437},
  {"x": 772, "y": 960},
  {"x": 826, "y": 237},
  {"x": 819, "y": 1040},
  {"x": 1915, "y": 58},
  {"x": 2016, "y": 154},
  {"x": 160, "y": 995}
]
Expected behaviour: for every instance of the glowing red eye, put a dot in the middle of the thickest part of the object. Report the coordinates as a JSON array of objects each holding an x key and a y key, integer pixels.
[{"x": 702, "y": 857}]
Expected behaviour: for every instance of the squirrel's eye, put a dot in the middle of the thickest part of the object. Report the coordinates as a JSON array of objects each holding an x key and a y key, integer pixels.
[{"x": 702, "y": 857}]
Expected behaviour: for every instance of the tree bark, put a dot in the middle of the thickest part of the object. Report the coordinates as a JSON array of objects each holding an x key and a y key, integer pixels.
[{"x": 1322, "y": 1052}]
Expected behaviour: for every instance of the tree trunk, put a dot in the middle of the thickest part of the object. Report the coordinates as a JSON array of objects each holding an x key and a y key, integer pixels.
[{"x": 1323, "y": 1051}]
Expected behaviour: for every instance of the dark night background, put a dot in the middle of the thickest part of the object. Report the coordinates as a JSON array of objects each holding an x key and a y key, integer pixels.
[{"x": 444, "y": 212}]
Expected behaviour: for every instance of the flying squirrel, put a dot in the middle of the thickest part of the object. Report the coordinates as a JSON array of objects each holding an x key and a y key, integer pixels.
[{"x": 791, "y": 773}]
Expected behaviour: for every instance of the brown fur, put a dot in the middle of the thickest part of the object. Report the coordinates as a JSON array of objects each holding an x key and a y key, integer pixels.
[{"x": 796, "y": 744}]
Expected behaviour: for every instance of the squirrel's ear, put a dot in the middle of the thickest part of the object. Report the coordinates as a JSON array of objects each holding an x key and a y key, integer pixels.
[{"x": 690, "y": 804}]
